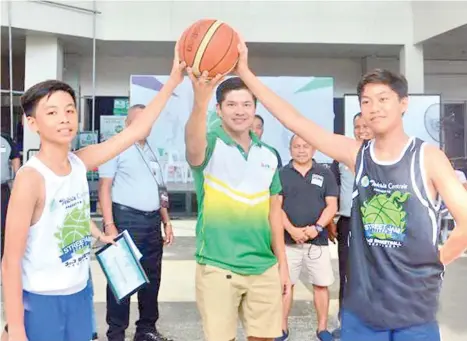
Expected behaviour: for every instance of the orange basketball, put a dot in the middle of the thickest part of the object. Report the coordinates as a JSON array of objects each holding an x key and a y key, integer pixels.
[{"x": 209, "y": 45}]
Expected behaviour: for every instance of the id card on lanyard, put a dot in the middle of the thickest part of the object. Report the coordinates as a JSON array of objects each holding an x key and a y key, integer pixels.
[{"x": 155, "y": 169}]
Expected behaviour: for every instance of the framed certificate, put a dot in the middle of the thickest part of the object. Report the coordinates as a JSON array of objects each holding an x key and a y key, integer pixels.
[{"x": 122, "y": 267}]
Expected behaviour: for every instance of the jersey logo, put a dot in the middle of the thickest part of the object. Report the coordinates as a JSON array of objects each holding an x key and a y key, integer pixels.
[
  {"x": 267, "y": 166},
  {"x": 74, "y": 236},
  {"x": 384, "y": 219},
  {"x": 365, "y": 182}
]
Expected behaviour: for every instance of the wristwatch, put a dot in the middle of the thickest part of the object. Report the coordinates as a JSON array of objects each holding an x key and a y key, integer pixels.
[{"x": 319, "y": 228}]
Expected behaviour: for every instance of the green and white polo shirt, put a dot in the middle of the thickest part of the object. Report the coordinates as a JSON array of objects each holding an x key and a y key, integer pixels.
[{"x": 233, "y": 189}]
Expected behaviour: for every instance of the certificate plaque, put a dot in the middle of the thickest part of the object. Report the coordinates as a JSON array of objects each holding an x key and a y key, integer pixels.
[{"x": 122, "y": 267}]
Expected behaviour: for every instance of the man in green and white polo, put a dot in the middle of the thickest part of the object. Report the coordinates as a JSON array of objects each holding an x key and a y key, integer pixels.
[{"x": 242, "y": 269}]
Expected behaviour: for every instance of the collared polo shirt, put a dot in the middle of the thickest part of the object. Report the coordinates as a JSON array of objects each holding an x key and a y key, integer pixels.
[
  {"x": 305, "y": 197},
  {"x": 133, "y": 183},
  {"x": 233, "y": 188}
]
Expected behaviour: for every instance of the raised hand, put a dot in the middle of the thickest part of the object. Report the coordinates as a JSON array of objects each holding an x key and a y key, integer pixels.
[
  {"x": 242, "y": 64},
  {"x": 203, "y": 87},
  {"x": 177, "y": 67}
]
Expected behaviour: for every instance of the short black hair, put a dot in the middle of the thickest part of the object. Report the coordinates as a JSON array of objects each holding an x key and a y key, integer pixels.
[
  {"x": 260, "y": 118},
  {"x": 43, "y": 89},
  {"x": 291, "y": 139},
  {"x": 137, "y": 106},
  {"x": 357, "y": 115},
  {"x": 397, "y": 82},
  {"x": 231, "y": 84}
]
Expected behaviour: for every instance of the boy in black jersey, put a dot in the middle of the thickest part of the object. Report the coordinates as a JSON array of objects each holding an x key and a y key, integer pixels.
[{"x": 395, "y": 268}]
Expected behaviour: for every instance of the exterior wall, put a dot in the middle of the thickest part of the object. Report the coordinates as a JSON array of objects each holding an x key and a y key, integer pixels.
[
  {"x": 52, "y": 19},
  {"x": 359, "y": 22},
  {"x": 431, "y": 18},
  {"x": 113, "y": 74},
  {"x": 447, "y": 78},
  {"x": 356, "y": 22}
]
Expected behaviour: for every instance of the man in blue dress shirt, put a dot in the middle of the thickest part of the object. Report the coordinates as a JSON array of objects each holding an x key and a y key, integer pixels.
[{"x": 130, "y": 198}]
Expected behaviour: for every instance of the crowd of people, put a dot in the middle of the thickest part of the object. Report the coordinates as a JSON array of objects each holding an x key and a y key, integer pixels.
[{"x": 259, "y": 223}]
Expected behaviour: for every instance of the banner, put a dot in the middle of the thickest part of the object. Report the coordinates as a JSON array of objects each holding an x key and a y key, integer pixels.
[
  {"x": 87, "y": 138},
  {"x": 111, "y": 125},
  {"x": 312, "y": 96},
  {"x": 121, "y": 106}
]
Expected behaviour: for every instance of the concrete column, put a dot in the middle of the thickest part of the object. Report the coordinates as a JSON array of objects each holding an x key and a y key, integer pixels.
[
  {"x": 43, "y": 61},
  {"x": 412, "y": 67}
]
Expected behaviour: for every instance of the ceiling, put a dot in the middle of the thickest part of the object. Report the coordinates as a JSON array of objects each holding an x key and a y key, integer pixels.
[{"x": 448, "y": 46}]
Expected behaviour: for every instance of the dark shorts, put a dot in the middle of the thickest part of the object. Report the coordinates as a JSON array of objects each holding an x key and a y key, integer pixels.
[
  {"x": 58, "y": 317},
  {"x": 353, "y": 329}
]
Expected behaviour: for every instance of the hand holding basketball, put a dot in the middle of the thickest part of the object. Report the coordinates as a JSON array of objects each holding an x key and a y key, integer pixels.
[
  {"x": 242, "y": 64},
  {"x": 203, "y": 87},
  {"x": 177, "y": 67}
]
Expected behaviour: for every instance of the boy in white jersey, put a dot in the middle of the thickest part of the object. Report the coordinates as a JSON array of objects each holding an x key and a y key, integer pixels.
[
  {"x": 375, "y": 307},
  {"x": 47, "y": 247}
]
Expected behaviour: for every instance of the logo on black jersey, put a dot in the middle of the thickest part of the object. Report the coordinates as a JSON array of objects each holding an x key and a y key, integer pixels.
[
  {"x": 384, "y": 219},
  {"x": 365, "y": 181}
]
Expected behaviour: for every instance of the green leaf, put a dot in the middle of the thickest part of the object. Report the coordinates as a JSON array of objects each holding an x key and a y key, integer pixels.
[
  {"x": 404, "y": 197},
  {"x": 395, "y": 196}
]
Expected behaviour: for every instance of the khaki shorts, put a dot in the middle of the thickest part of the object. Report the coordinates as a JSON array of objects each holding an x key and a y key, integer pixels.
[
  {"x": 317, "y": 262},
  {"x": 223, "y": 296}
]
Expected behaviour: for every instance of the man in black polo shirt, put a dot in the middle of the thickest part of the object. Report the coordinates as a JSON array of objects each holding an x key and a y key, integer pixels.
[{"x": 309, "y": 193}]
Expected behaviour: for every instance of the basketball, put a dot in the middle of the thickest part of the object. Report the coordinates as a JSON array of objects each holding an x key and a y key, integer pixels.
[{"x": 209, "y": 45}]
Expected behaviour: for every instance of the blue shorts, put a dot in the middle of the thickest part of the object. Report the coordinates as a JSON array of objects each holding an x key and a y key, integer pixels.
[
  {"x": 57, "y": 317},
  {"x": 353, "y": 329}
]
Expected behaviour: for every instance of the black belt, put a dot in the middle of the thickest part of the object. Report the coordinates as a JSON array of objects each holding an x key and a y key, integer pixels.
[{"x": 135, "y": 211}]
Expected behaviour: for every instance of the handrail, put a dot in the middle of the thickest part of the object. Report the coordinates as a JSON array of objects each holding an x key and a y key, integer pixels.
[{"x": 66, "y": 6}]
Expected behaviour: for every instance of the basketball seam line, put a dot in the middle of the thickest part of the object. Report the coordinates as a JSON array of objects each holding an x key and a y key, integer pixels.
[
  {"x": 199, "y": 52},
  {"x": 183, "y": 59},
  {"x": 226, "y": 51}
]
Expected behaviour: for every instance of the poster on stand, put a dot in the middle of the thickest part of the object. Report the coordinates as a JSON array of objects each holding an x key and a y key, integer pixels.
[
  {"x": 87, "y": 138},
  {"x": 121, "y": 106},
  {"x": 110, "y": 126}
]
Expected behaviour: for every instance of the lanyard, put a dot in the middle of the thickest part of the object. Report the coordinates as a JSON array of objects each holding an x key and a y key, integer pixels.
[{"x": 141, "y": 152}]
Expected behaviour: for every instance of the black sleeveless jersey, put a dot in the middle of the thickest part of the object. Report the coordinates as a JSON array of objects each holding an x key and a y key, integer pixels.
[{"x": 394, "y": 274}]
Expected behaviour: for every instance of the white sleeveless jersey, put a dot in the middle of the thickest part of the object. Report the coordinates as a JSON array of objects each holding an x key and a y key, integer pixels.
[{"x": 56, "y": 260}]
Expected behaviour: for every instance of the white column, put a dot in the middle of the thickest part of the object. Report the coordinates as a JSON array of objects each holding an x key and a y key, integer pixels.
[
  {"x": 412, "y": 67},
  {"x": 43, "y": 61}
]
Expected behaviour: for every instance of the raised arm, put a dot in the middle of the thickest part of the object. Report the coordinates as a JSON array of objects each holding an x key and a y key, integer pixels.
[
  {"x": 196, "y": 127},
  {"x": 445, "y": 181},
  {"x": 97, "y": 154},
  {"x": 338, "y": 147},
  {"x": 24, "y": 197}
]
